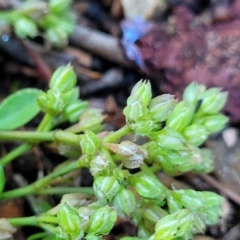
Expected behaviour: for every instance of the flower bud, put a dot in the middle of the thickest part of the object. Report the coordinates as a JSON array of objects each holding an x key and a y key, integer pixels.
[
  {"x": 214, "y": 123},
  {"x": 56, "y": 37},
  {"x": 154, "y": 213},
  {"x": 148, "y": 187},
  {"x": 135, "y": 111},
  {"x": 60, "y": 234},
  {"x": 192, "y": 93},
  {"x": 132, "y": 155},
  {"x": 161, "y": 107},
  {"x": 63, "y": 79},
  {"x": 199, "y": 225},
  {"x": 142, "y": 90},
  {"x": 99, "y": 164},
  {"x": 102, "y": 220},
  {"x": 177, "y": 224},
  {"x": 173, "y": 204},
  {"x": 84, "y": 214},
  {"x": 53, "y": 102},
  {"x": 181, "y": 116},
  {"x": 106, "y": 187},
  {"x": 204, "y": 161},
  {"x": 212, "y": 215},
  {"x": 68, "y": 219},
  {"x": 124, "y": 202},
  {"x": 169, "y": 138},
  {"x": 90, "y": 143},
  {"x": 25, "y": 27},
  {"x": 74, "y": 110},
  {"x": 144, "y": 126},
  {"x": 195, "y": 134},
  {"x": 213, "y": 100},
  {"x": 59, "y": 6}
]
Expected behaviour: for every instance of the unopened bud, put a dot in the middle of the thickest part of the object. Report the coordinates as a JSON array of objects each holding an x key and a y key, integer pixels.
[
  {"x": 74, "y": 110},
  {"x": 154, "y": 213},
  {"x": 59, "y": 6},
  {"x": 68, "y": 219},
  {"x": 177, "y": 224},
  {"x": 99, "y": 164},
  {"x": 56, "y": 37},
  {"x": 106, "y": 187},
  {"x": 142, "y": 90},
  {"x": 63, "y": 79},
  {"x": 148, "y": 187},
  {"x": 124, "y": 202},
  {"x": 162, "y": 106},
  {"x": 181, "y": 116},
  {"x": 102, "y": 220},
  {"x": 192, "y": 93},
  {"x": 90, "y": 143},
  {"x": 25, "y": 27},
  {"x": 195, "y": 134},
  {"x": 213, "y": 100}
]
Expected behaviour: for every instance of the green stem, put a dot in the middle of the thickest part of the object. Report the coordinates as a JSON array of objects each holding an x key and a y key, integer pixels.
[
  {"x": 65, "y": 190},
  {"x": 148, "y": 170},
  {"x": 15, "y": 153},
  {"x": 24, "y": 221},
  {"x": 44, "y": 126},
  {"x": 113, "y": 136},
  {"x": 34, "y": 188}
]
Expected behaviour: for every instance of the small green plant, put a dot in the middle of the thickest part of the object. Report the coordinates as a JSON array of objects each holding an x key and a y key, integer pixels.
[
  {"x": 53, "y": 19},
  {"x": 173, "y": 131}
]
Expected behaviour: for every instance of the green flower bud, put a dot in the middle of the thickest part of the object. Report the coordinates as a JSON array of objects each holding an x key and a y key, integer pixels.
[
  {"x": 90, "y": 143},
  {"x": 204, "y": 161},
  {"x": 148, "y": 187},
  {"x": 68, "y": 219},
  {"x": 153, "y": 213},
  {"x": 195, "y": 134},
  {"x": 134, "y": 111},
  {"x": 63, "y": 79},
  {"x": 106, "y": 187},
  {"x": 25, "y": 27},
  {"x": 213, "y": 100},
  {"x": 124, "y": 202},
  {"x": 102, "y": 220},
  {"x": 74, "y": 110},
  {"x": 178, "y": 224},
  {"x": 212, "y": 199},
  {"x": 56, "y": 37},
  {"x": 144, "y": 231},
  {"x": 161, "y": 107},
  {"x": 212, "y": 215},
  {"x": 214, "y": 123},
  {"x": 93, "y": 237},
  {"x": 52, "y": 102},
  {"x": 142, "y": 90},
  {"x": 132, "y": 155},
  {"x": 91, "y": 118},
  {"x": 2, "y": 178},
  {"x": 199, "y": 225},
  {"x": 169, "y": 138},
  {"x": 59, "y": 6},
  {"x": 180, "y": 117},
  {"x": 99, "y": 164},
  {"x": 60, "y": 234},
  {"x": 192, "y": 93},
  {"x": 144, "y": 126},
  {"x": 173, "y": 204}
]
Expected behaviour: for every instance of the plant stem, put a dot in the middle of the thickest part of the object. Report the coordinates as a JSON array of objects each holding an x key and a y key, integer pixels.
[
  {"x": 44, "y": 126},
  {"x": 113, "y": 136},
  {"x": 64, "y": 190},
  {"x": 15, "y": 153},
  {"x": 34, "y": 188},
  {"x": 24, "y": 221}
]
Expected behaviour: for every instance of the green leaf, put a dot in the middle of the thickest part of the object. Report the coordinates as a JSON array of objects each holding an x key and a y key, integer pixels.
[{"x": 19, "y": 108}]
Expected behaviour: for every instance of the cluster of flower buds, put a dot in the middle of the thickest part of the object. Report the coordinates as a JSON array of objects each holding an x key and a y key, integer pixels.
[
  {"x": 62, "y": 97},
  {"x": 55, "y": 18}
]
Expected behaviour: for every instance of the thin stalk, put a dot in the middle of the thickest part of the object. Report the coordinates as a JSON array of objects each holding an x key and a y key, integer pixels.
[
  {"x": 35, "y": 187},
  {"x": 113, "y": 136},
  {"x": 65, "y": 190}
]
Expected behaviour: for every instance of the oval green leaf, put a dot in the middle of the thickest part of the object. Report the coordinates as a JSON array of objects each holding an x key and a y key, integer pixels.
[{"x": 19, "y": 108}]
